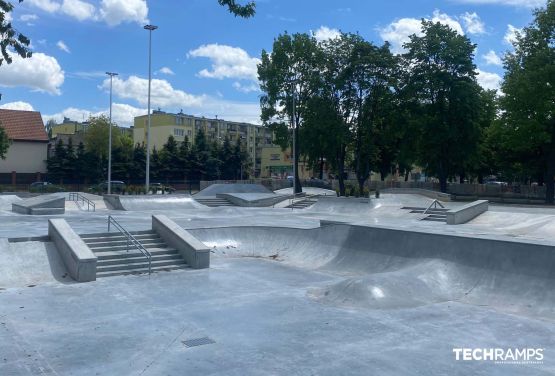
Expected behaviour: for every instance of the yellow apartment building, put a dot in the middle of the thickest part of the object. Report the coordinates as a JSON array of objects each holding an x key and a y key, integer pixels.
[{"x": 253, "y": 137}]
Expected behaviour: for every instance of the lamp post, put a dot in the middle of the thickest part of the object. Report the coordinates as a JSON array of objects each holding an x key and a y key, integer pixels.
[
  {"x": 293, "y": 124},
  {"x": 150, "y": 29},
  {"x": 111, "y": 74}
]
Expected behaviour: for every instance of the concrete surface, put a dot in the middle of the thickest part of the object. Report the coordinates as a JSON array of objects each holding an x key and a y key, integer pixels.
[
  {"x": 196, "y": 254},
  {"x": 308, "y": 191},
  {"x": 384, "y": 293},
  {"x": 40, "y": 205},
  {"x": 78, "y": 258},
  {"x": 466, "y": 212},
  {"x": 253, "y": 199},
  {"x": 215, "y": 189}
]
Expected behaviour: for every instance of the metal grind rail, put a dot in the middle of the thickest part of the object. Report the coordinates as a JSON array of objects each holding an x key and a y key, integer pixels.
[
  {"x": 131, "y": 241},
  {"x": 77, "y": 197}
]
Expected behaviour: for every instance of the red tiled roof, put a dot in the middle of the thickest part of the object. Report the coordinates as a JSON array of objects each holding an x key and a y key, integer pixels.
[{"x": 23, "y": 125}]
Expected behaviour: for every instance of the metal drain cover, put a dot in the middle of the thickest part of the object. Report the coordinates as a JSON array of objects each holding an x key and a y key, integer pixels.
[{"x": 198, "y": 342}]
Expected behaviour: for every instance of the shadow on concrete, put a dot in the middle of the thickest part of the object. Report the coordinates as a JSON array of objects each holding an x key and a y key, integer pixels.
[{"x": 57, "y": 266}]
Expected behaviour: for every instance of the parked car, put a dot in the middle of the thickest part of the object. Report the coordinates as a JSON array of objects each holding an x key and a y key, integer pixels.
[
  {"x": 117, "y": 187},
  {"x": 159, "y": 187},
  {"x": 45, "y": 187}
]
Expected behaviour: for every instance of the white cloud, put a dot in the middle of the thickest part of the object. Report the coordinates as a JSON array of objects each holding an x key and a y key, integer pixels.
[
  {"x": 489, "y": 80},
  {"x": 325, "y": 33},
  {"x": 62, "y": 46},
  {"x": 473, "y": 24},
  {"x": 46, "y": 5},
  {"x": 19, "y": 105},
  {"x": 227, "y": 62},
  {"x": 398, "y": 32},
  {"x": 511, "y": 34},
  {"x": 79, "y": 10},
  {"x": 492, "y": 58},
  {"x": 122, "y": 114},
  {"x": 445, "y": 19},
  {"x": 115, "y": 12},
  {"x": 162, "y": 92},
  {"x": 515, "y": 3},
  {"x": 40, "y": 72},
  {"x": 28, "y": 17},
  {"x": 253, "y": 87},
  {"x": 166, "y": 70}
]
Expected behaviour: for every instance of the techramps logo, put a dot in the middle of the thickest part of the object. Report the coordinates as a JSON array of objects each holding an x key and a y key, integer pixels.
[{"x": 516, "y": 356}]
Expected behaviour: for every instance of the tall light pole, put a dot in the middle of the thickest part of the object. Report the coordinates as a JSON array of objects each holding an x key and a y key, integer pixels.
[
  {"x": 293, "y": 124},
  {"x": 150, "y": 29},
  {"x": 111, "y": 74}
]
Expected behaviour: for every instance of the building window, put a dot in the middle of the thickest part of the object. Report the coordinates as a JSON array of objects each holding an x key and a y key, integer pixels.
[
  {"x": 274, "y": 157},
  {"x": 178, "y": 120},
  {"x": 179, "y": 132}
]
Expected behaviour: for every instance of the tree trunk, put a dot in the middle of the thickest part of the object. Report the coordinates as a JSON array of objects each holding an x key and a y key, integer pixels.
[
  {"x": 461, "y": 178},
  {"x": 406, "y": 175},
  {"x": 298, "y": 188},
  {"x": 321, "y": 176},
  {"x": 341, "y": 170},
  {"x": 550, "y": 173},
  {"x": 361, "y": 187}
]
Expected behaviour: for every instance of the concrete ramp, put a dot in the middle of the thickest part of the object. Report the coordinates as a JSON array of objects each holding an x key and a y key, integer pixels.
[
  {"x": 6, "y": 201},
  {"x": 153, "y": 202},
  {"x": 382, "y": 268},
  {"x": 40, "y": 205},
  {"x": 215, "y": 189}
]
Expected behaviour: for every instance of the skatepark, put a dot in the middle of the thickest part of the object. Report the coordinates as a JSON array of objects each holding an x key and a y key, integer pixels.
[{"x": 247, "y": 281}]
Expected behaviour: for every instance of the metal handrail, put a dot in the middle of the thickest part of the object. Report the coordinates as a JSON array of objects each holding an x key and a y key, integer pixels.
[
  {"x": 131, "y": 239},
  {"x": 435, "y": 203},
  {"x": 76, "y": 196},
  {"x": 304, "y": 197}
]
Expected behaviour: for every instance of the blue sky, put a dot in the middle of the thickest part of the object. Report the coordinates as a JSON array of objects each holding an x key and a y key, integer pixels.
[{"x": 204, "y": 59}]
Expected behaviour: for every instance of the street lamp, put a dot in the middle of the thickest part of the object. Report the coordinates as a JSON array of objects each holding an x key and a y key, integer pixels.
[
  {"x": 111, "y": 74},
  {"x": 293, "y": 124},
  {"x": 150, "y": 29}
]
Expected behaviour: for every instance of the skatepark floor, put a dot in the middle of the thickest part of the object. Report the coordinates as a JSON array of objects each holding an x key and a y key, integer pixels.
[{"x": 276, "y": 301}]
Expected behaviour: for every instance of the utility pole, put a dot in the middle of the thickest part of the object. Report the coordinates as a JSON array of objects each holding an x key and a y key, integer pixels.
[
  {"x": 150, "y": 29},
  {"x": 111, "y": 74}
]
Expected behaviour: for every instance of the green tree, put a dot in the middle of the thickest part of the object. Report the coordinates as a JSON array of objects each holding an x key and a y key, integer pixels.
[
  {"x": 56, "y": 162},
  {"x": 4, "y": 142},
  {"x": 81, "y": 168},
  {"x": 138, "y": 165},
  {"x": 184, "y": 154},
  {"x": 11, "y": 40},
  {"x": 239, "y": 10},
  {"x": 122, "y": 159},
  {"x": 529, "y": 88},
  {"x": 288, "y": 77},
  {"x": 170, "y": 161},
  {"x": 68, "y": 163},
  {"x": 440, "y": 76},
  {"x": 97, "y": 136}
]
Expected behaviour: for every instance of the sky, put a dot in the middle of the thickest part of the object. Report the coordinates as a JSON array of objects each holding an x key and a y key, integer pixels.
[{"x": 203, "y": 58}]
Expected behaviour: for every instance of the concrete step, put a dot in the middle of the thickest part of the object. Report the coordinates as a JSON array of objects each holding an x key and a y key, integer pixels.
[
  {"x": 431, "y": 211},
  {"x": 136, "y": 234},
  {"x": 138, "y": 264},
  {"x": 214, "y": 202},
  {"x": 139, "y": 258},
  {"x": 131, "y": 247},
  {"x": 301, "y": 204},
  {"x": 115, "y": 243},
  {"x": 140, "y": 271},
  {"x": 114, "y": 255},
  {"x": 434, "y": 219}
]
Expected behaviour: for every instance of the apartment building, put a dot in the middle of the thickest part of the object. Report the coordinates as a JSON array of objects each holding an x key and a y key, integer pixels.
[{"x": 253, "y": 137}]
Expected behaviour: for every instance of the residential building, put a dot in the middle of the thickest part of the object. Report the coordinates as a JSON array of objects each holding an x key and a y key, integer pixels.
[
  {"x": 74, "y": 130},
  {"x": 253, "y": 137},
  {"x": 26, "y": 157}
]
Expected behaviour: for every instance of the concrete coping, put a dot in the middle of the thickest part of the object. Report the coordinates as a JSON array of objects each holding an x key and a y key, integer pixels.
[
  {"x": 466, "y": 212},
  {"x": 195, "y": 253},
  {"x": 78, "y": 258}
]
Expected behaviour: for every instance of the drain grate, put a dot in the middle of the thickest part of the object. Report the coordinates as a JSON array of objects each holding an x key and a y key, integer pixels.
[{"x": 198, "y": 342}]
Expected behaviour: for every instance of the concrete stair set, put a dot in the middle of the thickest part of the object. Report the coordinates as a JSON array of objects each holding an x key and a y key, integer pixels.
[
  {"x": 214, "y": 201},
  {"x": 303, "y": 204},
  {"x": 115, "y": 258},
  {"x": 432, "y": 214}
]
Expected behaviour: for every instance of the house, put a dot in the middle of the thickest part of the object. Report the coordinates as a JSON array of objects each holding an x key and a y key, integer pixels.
[{"x": 26, "y": 157}]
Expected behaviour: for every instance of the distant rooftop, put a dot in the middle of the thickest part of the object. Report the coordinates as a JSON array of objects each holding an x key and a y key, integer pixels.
[{"x": 23, "y": 125}]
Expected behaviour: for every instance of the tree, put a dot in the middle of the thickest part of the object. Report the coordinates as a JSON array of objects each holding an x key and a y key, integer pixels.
[
  {"x": 4, "y": 142},
  {"x": 81, "y": 168},
  {"x": 170, "y": 167},
  {"x": 97, "y": 136},
  {"x": 11, "y": 39},
  {"x": 440, "y": 77},
  {"x": 529, "y": 87},
  {"x": 238, "y": 10},
  {"x": 287, "y": 78},
  {"x": 184, "y": 154}
]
